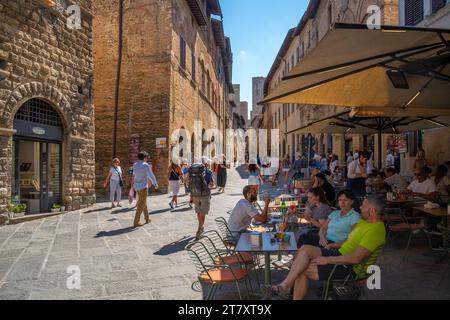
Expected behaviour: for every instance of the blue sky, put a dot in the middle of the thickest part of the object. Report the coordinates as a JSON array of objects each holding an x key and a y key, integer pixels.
[{"x": 257, "y": 29}]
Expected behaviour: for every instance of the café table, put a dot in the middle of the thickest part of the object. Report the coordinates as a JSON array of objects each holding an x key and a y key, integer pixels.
[
  {"x": 438, "y": 213},
  {"x": 265, "y": 246}
]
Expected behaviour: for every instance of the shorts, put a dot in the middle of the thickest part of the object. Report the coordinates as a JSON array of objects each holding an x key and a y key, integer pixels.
[
  {"x": 253, "y": 181},
  {"x": 340, "y": 272},
  {"x": 202, "y": 204},
  {"x": 175, "y": 186}
]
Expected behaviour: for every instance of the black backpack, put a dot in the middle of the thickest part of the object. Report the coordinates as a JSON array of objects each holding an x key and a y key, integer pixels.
[{"x": 197, "y": 181}]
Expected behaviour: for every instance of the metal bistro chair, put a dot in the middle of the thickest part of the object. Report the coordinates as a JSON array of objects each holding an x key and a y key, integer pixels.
[
  {"x": 398, "y": 223},
  {"x": 446, "y": 242},
  {"x": 224, "y": 255},
  {"x": 225, "y": 232},
  {"x": 350, "y": 288},
  {"x": 211, "y": 273}
]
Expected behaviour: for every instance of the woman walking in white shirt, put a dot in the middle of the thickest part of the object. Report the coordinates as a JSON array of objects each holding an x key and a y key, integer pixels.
[{"x": 115, "y": 182}]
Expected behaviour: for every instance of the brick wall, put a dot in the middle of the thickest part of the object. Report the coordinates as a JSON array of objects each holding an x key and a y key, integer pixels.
[
  {"x": 157, "y": 96},
  {"x": 145, "y": 82}
]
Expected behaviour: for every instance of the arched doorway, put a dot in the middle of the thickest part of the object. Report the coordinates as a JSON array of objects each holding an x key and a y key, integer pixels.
[{"x": 37, "y": 156}]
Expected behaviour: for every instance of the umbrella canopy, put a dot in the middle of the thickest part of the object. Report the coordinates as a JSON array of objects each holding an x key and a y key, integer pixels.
[
  {"x": 344, "y": 123},
  {"x": 352, "y": 66}
]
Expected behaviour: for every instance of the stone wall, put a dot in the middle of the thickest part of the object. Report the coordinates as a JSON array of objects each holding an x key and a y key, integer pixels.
[{"x": 47, "y": 60}]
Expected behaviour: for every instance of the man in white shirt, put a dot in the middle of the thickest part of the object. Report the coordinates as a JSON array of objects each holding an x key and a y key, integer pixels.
[
  {"x": 390, "y": 160},
  {"x": 423, "y": 187},
  {"x": 394, "y": 179},
  {"x": 357, "y": 175},
  {"x": 244, "y": 211}
]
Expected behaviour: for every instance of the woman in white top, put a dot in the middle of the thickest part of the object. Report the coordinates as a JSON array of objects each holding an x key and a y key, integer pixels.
[{"x": 115, "y": 182}]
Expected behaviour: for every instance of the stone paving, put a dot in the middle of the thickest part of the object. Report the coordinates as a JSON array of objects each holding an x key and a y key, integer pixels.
[{"x": 119, "y": 262}]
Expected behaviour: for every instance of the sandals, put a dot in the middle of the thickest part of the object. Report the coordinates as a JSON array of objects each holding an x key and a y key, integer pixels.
[{"x": 276, "y": 291}]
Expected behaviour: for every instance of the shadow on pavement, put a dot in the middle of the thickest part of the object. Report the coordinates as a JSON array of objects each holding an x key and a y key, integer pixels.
[
  {"x": 113, "y": 233},
  {"x": 174, "y": 247}
]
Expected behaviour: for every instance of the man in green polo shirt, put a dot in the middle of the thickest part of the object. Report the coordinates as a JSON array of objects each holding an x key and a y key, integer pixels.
[{"x": 313, "y": 263}]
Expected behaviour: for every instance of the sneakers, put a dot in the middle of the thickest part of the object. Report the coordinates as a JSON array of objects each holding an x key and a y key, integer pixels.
[
  {"x": 119, "y": 205},
  {"x": 171, "y": 205},
  {"x": 190, "y": 205},
  {"x": 113, "y": 206},
  {"x": 199, "y": 233}
]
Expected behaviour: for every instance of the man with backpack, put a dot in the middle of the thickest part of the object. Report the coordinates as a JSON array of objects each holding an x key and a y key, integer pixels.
[{"x": 200, "y": 181}]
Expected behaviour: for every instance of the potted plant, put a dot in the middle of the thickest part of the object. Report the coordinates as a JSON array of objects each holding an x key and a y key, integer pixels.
[
  {"x": 56, "y": 207},
  {"x": 63, "y": 208},
  {"x": 17, "y": 210}
]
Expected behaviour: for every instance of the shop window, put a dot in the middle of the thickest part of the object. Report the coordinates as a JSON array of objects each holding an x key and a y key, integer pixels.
[{"x": 414, "y": 12}]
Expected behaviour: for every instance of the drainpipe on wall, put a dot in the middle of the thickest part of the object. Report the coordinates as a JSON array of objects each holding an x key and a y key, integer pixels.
[{"x": 119, "y": 69}]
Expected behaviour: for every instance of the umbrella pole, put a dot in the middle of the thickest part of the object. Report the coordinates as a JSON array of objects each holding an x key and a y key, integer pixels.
[{"x": 380, "y": 149}]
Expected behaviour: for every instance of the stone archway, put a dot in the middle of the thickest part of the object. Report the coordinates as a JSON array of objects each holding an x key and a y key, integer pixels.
[
  {"x": 31, "y": 90},
  {"x": 77, "y": 151}
]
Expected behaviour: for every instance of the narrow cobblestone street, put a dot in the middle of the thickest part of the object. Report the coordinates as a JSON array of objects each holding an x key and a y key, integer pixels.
[{"x": 119, "y": 262}]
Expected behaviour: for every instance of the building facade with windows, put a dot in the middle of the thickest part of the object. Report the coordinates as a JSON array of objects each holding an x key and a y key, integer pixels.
[
  {"x": 426, "y": 14},
  {"x": 46, "y": 111},
  {"x": 176, "y": 69},
  {"x": 298, "y": 43}
]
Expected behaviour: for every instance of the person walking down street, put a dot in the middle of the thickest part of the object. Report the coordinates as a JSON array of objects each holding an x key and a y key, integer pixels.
[
  {"x": 222, "y": 175},
  {"x": 286, "y": 169},
  {"x": 175, "y": 177},
  {"x": 187, "y": 191},
  {"x": 215, "y": 171},
  {"x": 200, "y": 182},
  {"x": 142, "y": 175},
  {"x": 255, "y": 179},
  {"x": 357, "y": 175},
  {"x": 115, "y": 182}
]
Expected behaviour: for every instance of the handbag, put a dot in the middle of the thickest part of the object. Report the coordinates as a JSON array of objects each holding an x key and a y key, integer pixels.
[{"x": 120, "y": 178}]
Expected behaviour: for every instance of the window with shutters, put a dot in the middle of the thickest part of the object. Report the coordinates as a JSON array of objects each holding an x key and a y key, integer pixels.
[
  {"x": 414, "y": 12},
  {"x": 182, "y": 53},
  {"x": 436, "y": 5}
]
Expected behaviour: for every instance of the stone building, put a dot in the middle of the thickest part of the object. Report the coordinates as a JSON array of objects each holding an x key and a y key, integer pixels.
[
  {"x": 176, "y": 69},
  {"x": 240, "y": 109},
  {"x": 426, "y": 14},
  {"x": 299, "y": 42},
  {"x": 46, "y": 112},
  {"x": 257, "y": 95}
]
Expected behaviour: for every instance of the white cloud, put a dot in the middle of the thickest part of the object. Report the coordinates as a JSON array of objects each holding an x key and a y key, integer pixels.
[{"x": 243, "y": 53}]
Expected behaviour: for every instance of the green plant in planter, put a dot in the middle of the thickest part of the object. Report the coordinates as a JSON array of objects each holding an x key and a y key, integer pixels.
[
  {"x": 56, "y": 206},
  {"x": 17, "y": 209}
]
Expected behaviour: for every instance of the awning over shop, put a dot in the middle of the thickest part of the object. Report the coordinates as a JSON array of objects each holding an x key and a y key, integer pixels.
[{"x": 352, "y": 66}]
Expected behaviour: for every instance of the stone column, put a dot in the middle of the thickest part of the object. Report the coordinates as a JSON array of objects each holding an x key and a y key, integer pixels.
[
  {"x": 339, "y": 147},
  {"x": 5, "y": 172}
]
